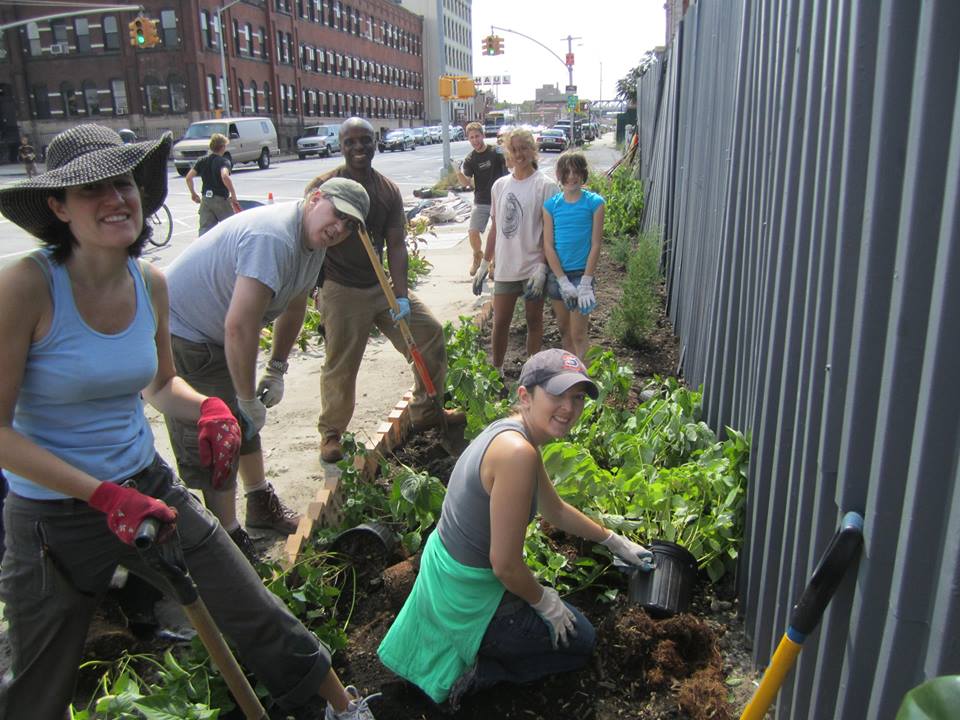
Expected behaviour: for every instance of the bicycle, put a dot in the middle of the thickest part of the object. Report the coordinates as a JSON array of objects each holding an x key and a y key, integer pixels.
[{"x": 162, "y": 223}]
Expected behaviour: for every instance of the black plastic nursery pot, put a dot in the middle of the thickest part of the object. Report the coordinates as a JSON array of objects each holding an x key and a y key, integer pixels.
[{"x": 667, "y": 589}]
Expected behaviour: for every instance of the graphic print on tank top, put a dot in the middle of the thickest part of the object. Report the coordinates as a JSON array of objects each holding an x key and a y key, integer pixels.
[{"x": 512, "y": 216}]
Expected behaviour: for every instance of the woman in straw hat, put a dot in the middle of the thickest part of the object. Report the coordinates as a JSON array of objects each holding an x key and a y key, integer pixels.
[
  {"x": 88, "y": 338},
  {"x": 477, "y": 615}
]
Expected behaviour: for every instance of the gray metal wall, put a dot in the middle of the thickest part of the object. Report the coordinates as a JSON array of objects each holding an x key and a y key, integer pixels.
[{"x": 803, "y": 162}]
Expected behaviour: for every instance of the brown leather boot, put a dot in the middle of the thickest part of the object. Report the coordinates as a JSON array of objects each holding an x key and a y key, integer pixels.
[
  {"x": 331, "y": 450},
  {"x": 265, "y": 510}
]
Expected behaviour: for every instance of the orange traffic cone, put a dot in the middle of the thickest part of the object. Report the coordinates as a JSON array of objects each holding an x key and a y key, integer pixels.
[{"x": 269, "y": 198}]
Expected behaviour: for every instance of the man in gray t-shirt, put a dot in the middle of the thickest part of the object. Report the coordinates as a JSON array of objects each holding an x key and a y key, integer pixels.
[{"x": 250, "y": 270}]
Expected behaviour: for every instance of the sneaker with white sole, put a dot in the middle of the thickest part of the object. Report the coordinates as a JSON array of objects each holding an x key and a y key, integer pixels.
[{"x": 356, "y": 710}]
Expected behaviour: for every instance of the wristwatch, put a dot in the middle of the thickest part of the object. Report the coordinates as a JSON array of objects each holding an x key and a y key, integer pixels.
[{"x": 279, "y": 365}]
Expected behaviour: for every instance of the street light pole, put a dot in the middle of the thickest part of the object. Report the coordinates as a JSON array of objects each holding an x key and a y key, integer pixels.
[{"x": 224, "y": 83}]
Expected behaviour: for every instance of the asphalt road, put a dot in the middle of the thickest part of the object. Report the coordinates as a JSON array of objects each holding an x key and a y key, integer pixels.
[{"x": 286, "y": 180}]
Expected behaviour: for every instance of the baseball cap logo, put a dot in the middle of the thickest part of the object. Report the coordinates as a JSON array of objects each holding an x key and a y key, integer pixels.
[{"x": 572, "y": 362}]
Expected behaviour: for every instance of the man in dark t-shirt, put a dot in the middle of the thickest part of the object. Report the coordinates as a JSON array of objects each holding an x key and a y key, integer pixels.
[
  {"x": 353, "y": 301},
  {"x": 219, "y": 198},
  {"x": 480, "y": 169}
]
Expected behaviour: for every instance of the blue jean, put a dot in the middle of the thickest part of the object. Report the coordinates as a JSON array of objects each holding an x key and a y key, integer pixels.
[{"x": 517, "y": 647}]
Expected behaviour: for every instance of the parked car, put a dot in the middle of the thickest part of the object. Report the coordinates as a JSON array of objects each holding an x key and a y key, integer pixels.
[
  {"x": 552, "y": 139},
  {"x": 435, "y": 133},
  {"x": 420, "y": 135},
  {"x": 399, "y": 139},
  {"x": 319, "y": 140},
  {"x": 252, "y": 139},
  {"x": 456, "y": 133}
]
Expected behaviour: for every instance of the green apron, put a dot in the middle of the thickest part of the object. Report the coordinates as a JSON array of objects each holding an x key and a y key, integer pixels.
[{"x": 436, "y": 636}]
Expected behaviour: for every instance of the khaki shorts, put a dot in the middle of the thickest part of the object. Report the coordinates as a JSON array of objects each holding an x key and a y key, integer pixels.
[
  {"x": 204, "y": 367},
  {"x": 479, "y": 217},
  {"x": 509, "y": 287}
]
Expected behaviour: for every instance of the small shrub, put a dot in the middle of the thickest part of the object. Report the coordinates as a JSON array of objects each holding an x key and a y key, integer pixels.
[
  {"x": 633, "y": 318},
  {"x": 621, "y": 249}
]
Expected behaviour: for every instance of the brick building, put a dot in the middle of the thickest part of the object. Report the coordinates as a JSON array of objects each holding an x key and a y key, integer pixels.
[{"x": 300, "y": 62}]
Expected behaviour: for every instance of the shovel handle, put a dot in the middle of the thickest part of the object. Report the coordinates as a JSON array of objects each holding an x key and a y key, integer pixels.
[{"x": 146, "y": 534}]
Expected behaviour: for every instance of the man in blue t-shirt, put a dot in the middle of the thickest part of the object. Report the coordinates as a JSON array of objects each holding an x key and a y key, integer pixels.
[{"x": 219, "y": 197}]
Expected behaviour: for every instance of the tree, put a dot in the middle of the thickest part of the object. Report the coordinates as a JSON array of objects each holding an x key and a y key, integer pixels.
[{"x": 627, "y": 86}]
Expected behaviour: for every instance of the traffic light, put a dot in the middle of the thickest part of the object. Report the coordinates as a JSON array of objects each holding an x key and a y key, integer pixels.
[
  {"x": 138, "y": 36},
  {"x": 465, "y": 88},
  {"x": 151, "y": 38},
  {"x": 445, "y": 87},
  {"x": 489, "y": 45},
  {"x": 497, "y": 45}
]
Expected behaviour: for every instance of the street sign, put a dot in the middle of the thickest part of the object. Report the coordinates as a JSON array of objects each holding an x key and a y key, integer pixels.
[
  {"x": 571, "y": 89},
  {"x": 572, "y": 101},
  {"x": 569, "y": 59}
]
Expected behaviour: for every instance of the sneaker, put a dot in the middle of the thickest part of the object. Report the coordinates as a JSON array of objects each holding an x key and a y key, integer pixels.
[
  {"x": 243, "y": 541},
  {"x": 330, "y": 449},
  {"x": 356, "y": 710},
  {"x": 265, "y": 510},
  {"x": 462, "y": 687}
]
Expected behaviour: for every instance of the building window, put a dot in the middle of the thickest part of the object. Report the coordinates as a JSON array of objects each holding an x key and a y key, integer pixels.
[
  {"x": 59, "y": 28},
  {"x": 211, "y": 93},
  {"x": 91, "y": 97},
  {"x": 71, "y": 107},
  {"x": 288, "y": 49},
  {"x": 241, "y": 97},
  {"x": 41, "y": 102},
  {"x": 264, "y": 49},
  {"x": 33, "y": 39},
  {"x": 152, "y": 96},
  {"x": 248, "y": 38},
  {"x": 177, "y": 90},
  {"x": 206, "y": 29},
  {"x": 118, "y": 90},
  {"x": 81, "y": 26},
  {"x": 254, "y": 100},
  {"x": 267, "y": 100},
  {"x": 168, "y": 28},
  {"x": 111, "y": 37},
  {"x": 236, "y": 37}
]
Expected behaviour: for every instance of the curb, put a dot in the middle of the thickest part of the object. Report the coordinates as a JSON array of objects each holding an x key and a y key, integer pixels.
[{"x": 393, "y": 432}]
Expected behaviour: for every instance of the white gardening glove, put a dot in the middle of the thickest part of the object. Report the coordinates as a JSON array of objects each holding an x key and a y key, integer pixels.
[
  {"x": 270, "y": 387},
  {"x": 534, "y": 287},
  {"x": 568, "y": 292},
  {"x": 558, "y": 617},
  {"x": 585, "y": 296},
  {"x": 253, "y": 413},
  {"x": 480, "y": 277},
  {"x": 629, "y": 551}
]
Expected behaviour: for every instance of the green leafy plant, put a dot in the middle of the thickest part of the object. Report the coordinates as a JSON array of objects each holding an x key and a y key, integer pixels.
[
  {"x": 633, "y": 319},
  {"x": 473, "y": 384},
  {"x": 936, "y": 699},
  {"x": 415, "y": 501},
  {"x": 146, "y": 686},
  {"x": 418, "y": 267},
  {"x": 310, "y": 332}
]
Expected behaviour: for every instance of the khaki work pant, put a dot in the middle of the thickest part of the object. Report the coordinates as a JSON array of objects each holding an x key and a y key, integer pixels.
[{"x": 348, "y": 316}]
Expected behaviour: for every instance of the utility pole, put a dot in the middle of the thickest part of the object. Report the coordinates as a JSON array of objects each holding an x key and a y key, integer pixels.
[
  {"x": 569, "y": 64},
  {"x": 444, "y": 104},
  {"x": 224, "y": 82}
]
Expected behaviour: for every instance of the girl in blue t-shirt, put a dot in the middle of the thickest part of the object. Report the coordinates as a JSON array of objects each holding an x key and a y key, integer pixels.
[{"x": 572, "y": 232}]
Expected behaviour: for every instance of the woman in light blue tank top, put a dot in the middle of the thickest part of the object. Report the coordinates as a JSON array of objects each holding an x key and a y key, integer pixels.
[
  {"x": 85, "y": 335},
  {"x": 477, "y": 615}
]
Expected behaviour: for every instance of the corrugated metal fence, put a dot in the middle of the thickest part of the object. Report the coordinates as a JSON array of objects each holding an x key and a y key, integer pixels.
[{"x": 802, "y": 159}]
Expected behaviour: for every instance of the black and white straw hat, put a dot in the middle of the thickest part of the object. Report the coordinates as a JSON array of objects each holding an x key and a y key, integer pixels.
[{"x": 87, "y": 154}]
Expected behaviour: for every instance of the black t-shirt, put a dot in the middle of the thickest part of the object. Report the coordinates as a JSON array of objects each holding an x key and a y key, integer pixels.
[
  {"x": 348, "y": 263},
  {"x": 484, "y": 168},
  {"x": 208, "y": 168}
]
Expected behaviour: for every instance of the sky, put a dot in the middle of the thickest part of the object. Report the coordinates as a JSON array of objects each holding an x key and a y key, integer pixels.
[{"x": 614, "y": 35}]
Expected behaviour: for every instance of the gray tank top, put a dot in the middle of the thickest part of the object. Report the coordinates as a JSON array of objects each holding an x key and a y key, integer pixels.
[{"x": 464, "y": 525}]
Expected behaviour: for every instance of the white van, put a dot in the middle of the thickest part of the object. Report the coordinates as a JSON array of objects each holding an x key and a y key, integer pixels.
[
  {"x": 319, "y": 140},
  {"x": 252, "y": 139}
]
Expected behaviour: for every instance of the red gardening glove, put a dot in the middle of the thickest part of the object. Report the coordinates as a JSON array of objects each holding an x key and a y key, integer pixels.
[
  {"x": 219, "y": 439},
  {"x": 126, "y": 509}
]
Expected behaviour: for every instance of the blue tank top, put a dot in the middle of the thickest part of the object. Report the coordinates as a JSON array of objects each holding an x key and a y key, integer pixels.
[{"x": 80, "y": 395}]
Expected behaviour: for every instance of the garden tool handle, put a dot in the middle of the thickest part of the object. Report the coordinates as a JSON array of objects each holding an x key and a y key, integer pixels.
[
  {"x": 839, "y": 555},
  {"x": 189, "y": 598},
  {"x": 418, "y": 361}
]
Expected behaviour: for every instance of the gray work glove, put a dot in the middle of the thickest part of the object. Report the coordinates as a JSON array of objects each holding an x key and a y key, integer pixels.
[
  {"x": 480, "y": 277},
  {"x": 629, "y": 551},
  {"x": 533, "y": 290},
  {"x": 254, "y": 415},
  {"x": 270, "y": 387},
  {"x": 569, "y": 294},
  {"x": 558, "y": 617},
  {"x": 585, "y": 295}
]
